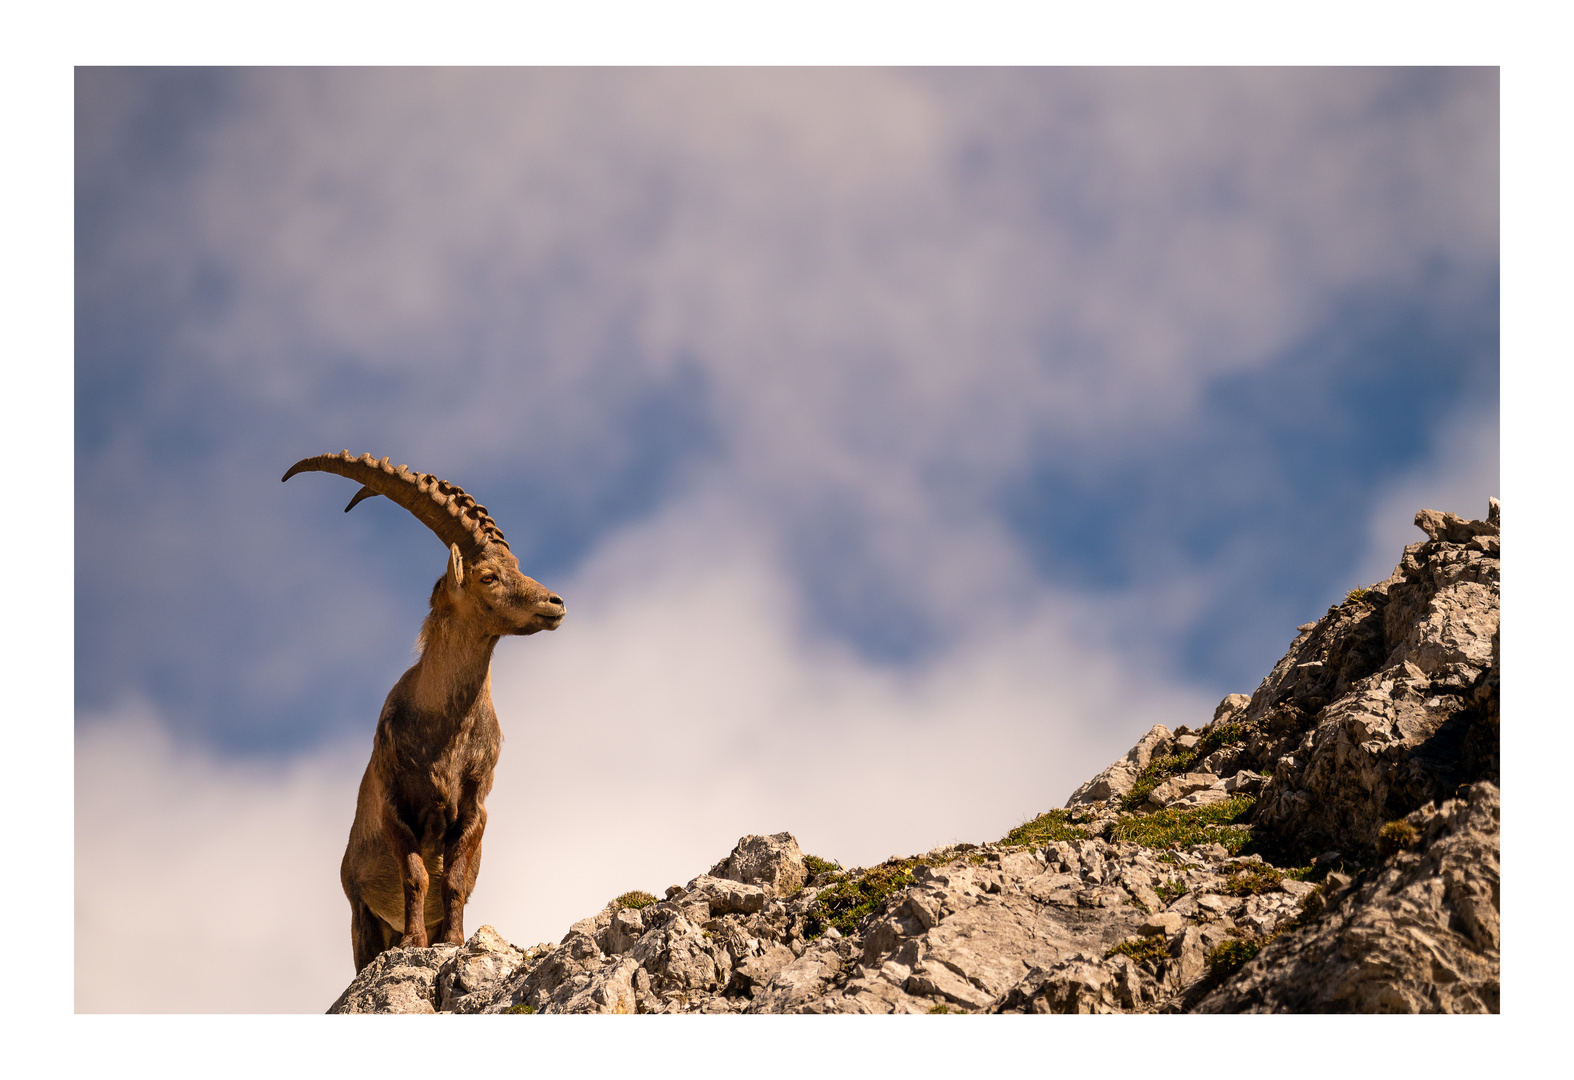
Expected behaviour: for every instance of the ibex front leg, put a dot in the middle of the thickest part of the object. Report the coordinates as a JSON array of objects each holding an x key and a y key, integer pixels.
[
  {"x": 407, "y": 853},
  {"x": 461, "y": 860}
]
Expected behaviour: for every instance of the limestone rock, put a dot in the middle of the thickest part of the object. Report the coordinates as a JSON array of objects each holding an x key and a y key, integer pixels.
[
  {"x": 397, "y": 981},
  {"x": 801, "y": 982},
  {"x": 1417, "y": 933},
  {"x": 725, "y": 897},
  {"x": 467, "y": 981},
  {"x": 1121, "y": 777},
  {"x": 1369, "y": 715},
  {"x": 775, "y": 861},
  {"x": 442, "y": 978},
  {"x": 1385, "y": 710},
  {"x": 1177, "y": 788}
]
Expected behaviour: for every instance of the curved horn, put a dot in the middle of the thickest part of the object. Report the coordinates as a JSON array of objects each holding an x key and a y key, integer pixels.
[{"x": 444, "y": 508}]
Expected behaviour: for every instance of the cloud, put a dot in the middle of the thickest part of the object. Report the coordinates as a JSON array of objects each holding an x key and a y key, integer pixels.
[
  {"x": 802, "y": 234},
  {"x": 203, "y": 884}
]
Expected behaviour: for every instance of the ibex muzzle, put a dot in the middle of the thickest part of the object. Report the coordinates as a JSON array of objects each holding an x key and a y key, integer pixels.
[{"x": 421, "y": 809}]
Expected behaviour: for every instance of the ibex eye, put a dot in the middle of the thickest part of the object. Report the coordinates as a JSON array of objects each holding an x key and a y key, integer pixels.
[{"x": 487, "y": 579}]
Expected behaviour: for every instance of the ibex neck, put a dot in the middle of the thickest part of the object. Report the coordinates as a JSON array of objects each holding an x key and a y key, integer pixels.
[{"x": 453, "y": 671}]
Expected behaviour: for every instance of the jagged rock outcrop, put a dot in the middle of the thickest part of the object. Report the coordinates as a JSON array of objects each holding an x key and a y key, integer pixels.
[
  {"x": 1328, "y": 844},
  {"x": 1389, "y": 701},
  {"x": 1419, "y": 933}
]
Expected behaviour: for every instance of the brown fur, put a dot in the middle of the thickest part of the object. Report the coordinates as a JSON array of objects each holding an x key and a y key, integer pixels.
[{"x": 415, "y": 846}]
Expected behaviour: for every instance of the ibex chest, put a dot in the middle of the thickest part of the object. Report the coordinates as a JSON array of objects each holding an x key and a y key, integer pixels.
[{"x": 442, "y": 771}]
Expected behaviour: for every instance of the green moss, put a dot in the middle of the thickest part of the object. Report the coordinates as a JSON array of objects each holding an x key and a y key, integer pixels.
[
  {"x": 1171, "y": 890},
  {"x": 636, "y": 900},
  {"x": 1176, "y": 829},
  {"x": 1048, "y": 827},
  {"x": 1253, "y": 879},
  {"x": 1232, "y": 955},
  {"x": 1143, "y": 948},
  {"x": 519, "y": 1010},
  {"x": 943, "y": 1009}
]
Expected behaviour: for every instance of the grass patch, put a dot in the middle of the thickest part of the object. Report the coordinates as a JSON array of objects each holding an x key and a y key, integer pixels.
[
  {"x": 945, "y": 1010},
  {"x": 1048, "y": 827},
  {"x": 1312, "y": 905},
  {"x": 1396, "y": 836},
  {"x": 1144, "y": 948},
  {"x": 1162, "y": 768},
  {"x": 1231, "y": 956},
  {"x": 1159, "y": 770},
  {"x": 1175, "y": 829},
  {"x": 519, "y": 1010},
  {"x": 1231, "y": 734},
  {"x": 1172, "y": 890},
  {"x": 846, "y": 900},
  {"x": 1356, "y": 595},
  {"x": 1254, "y": 879},
  {"x": 635, "y": 900},
  {"x": 818, "y": 866}
]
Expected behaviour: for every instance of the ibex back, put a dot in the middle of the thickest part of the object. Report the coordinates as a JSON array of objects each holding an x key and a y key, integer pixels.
[{"x": 421, "y": 808}]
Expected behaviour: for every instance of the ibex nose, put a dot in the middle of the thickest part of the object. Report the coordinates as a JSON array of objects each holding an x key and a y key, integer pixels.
[{"x": 555, "y": 599}]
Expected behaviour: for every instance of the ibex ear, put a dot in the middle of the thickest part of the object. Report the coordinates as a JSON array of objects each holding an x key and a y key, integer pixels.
[{"x": 456, "y": 569}]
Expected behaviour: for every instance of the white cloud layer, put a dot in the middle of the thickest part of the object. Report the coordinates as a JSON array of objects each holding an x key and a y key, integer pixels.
[
  {"x": 877, "y": 269},
  {"x": 204, "y": 885}
]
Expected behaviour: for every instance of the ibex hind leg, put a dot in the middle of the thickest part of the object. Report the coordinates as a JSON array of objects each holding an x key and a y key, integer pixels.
[{"x": 369, "y": 935}]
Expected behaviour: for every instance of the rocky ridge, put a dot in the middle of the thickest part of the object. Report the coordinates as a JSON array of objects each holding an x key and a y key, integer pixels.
[{"x": 1328, "y": 844}]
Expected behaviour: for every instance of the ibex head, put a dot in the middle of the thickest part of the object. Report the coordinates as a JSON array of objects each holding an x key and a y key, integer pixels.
[
  {"x": 483, "y": 585},
  {"x": 489, "y": 593}
]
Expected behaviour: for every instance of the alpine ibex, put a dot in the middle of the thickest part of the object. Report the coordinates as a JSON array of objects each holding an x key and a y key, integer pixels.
[{"x": 421, "y": 807}]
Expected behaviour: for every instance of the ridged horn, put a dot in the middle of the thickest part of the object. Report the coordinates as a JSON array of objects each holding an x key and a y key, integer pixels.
[{"x": 444, "y": 508}]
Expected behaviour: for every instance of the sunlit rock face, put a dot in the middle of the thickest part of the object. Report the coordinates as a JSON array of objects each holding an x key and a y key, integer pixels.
[{"x": 1328, "y": 844}]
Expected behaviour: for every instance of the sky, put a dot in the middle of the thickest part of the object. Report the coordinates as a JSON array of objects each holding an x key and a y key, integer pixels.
[{"x": 904, "y": 444}]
